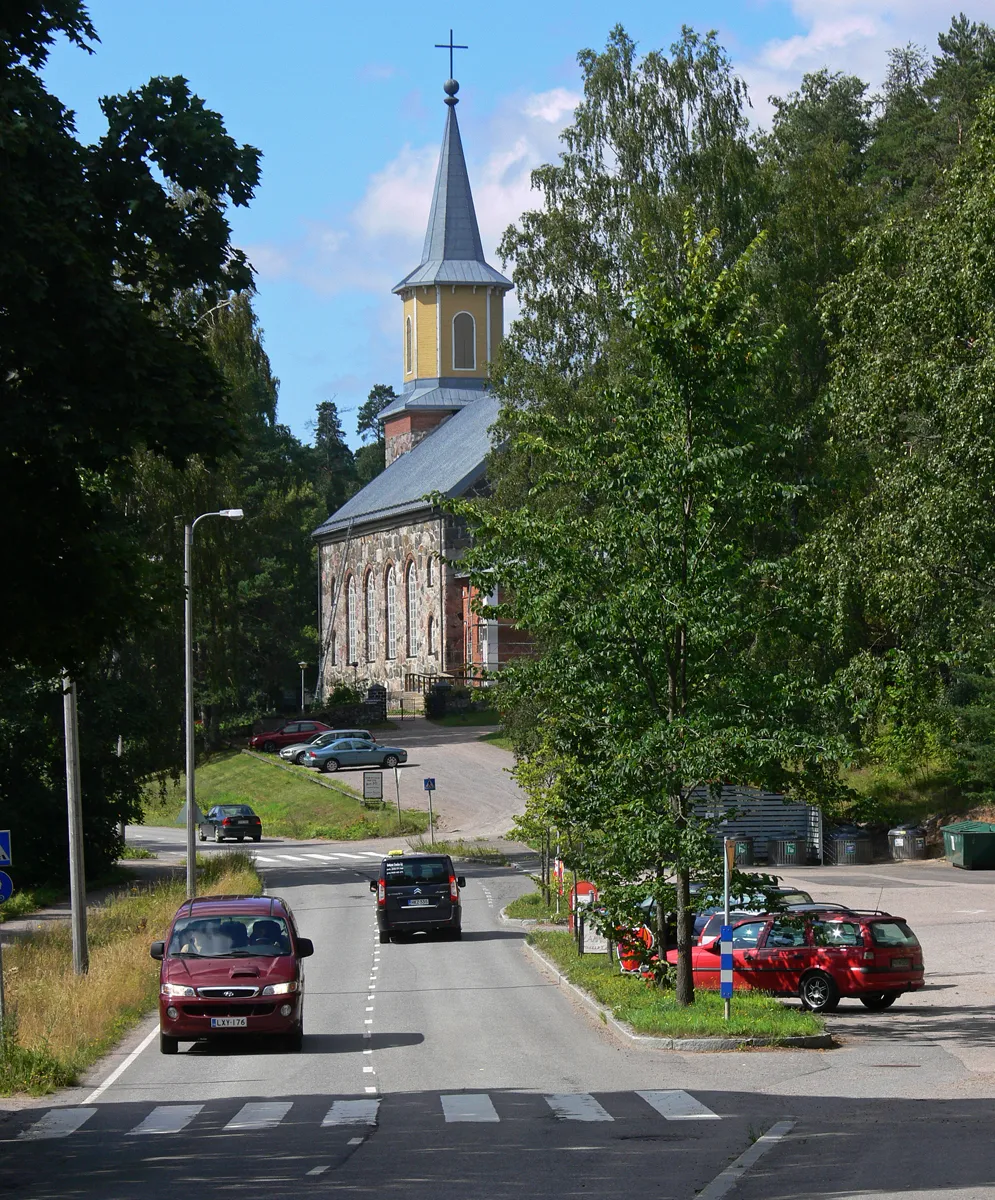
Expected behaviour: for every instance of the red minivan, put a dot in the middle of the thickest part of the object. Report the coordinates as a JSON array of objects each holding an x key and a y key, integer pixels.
[
  {"x": 231, "y": 965},
  {"x": 819, "y": 957}
]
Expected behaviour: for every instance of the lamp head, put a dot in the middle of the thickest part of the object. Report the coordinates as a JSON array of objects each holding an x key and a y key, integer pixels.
[{"x": 233, "y": 514}]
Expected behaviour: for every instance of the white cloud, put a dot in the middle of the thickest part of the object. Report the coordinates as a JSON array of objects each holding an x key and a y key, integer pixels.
[{"x": 553, "y": 106}]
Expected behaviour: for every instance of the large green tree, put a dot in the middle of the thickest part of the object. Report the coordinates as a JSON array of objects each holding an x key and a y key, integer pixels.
[{"x": 97, "y": 361}]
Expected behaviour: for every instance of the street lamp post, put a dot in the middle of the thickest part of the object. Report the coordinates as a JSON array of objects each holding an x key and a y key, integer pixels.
[
  {"x": 233, "y": 514},
  {"x": 302, "y": 666}
]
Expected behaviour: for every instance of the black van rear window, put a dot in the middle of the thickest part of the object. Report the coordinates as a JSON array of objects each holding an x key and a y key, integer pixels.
[{"x": 403, "y": 872}]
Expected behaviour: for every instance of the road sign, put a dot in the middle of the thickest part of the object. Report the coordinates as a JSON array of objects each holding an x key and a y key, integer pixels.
[
  {"x": 725, "y": 962},
  {"x": 372, "y": 785},
  {"x": 429, "y": 785},
  {"x": 5, "y": 859},
  {"x": 6, "y": 886}
]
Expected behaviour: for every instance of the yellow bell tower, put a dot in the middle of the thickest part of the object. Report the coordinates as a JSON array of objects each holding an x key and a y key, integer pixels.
[{"x": 453, "y": 306}]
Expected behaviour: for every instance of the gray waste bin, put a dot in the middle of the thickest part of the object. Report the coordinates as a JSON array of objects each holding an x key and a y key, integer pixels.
[
  {"x": 786, "y": 850},
  {"x": 907, "y": 842},
  {"x": 850, "y": 846}
]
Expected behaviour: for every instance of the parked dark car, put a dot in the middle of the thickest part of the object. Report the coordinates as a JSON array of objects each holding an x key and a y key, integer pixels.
[
  {"x": 819, "y": 957},
  {"x": 231, "y": 965},
  {"x": 418, "y": 893},
  {"x": 271, "y": 740},
  {"x": 236, "y": 821}
]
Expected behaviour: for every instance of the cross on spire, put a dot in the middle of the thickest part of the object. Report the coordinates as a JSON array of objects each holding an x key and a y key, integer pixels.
[{"x": 450, "y": 47}]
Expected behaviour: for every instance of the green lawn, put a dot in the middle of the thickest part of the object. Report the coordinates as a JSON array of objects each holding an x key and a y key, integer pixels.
[
  {"x": 653, "y": 1010},
  {"x": 532, "y": 907},
  {"x": 478, "y": 849},
  {"x": 290, "y": 803},
  {"x": 498, "y": 738}
]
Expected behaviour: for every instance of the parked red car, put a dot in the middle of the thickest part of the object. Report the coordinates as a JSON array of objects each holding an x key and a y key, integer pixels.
[
  {"x": 819, "y": 957},
  {"x": 292, "y": 731},
  {"x": 231, "y": 965}
]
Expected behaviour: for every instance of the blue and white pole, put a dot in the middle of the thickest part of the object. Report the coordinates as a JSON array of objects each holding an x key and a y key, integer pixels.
[{"x": 725, "y": 935}]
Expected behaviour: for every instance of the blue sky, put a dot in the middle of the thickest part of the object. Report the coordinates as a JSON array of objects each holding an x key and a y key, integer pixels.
[{"x": 345, "y": 102}]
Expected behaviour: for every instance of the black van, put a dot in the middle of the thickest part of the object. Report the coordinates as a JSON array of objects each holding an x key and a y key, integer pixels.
[{"x": 418, "y": 893}]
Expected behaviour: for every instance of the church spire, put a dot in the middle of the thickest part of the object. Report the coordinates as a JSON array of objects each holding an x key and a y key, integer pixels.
[{"x": 452, "y": 252}]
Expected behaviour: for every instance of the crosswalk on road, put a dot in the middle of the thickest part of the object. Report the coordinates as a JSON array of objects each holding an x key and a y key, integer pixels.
[
  {"x": 367, "y": 856},
  {"x": 459, "y": 1108}
]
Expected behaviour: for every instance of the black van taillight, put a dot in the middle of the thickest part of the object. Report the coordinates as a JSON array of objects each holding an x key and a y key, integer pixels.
[
  {"x": 453, "y": 889},
  {"x": 381, "y": 892},
  {"x": 226, "y": 821}
]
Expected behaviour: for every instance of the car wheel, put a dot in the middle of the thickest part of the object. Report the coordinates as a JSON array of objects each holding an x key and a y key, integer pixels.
[
  {"x": 390, "y": 761},
  {"x": 330, "y": 764},
  {"x": 818, "y": 992},
  {"x": 295, "y": 1040},
  {"x": 457, "y": 933},
  {"x": 879, "y": 1001},
  {"x": 384, "y": 938},
  {"x": 217, "y": 836},
  {"x": 269, "y": 747},
  {"x": 300, "y": 758},
  {"x": 167, "y": 1044},
  {"x": 202, "y": 836},
  {"x": 240, "y": 838}
]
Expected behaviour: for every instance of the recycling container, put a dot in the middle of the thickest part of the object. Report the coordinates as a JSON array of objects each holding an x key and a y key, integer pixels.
[
  {"x": 786, "y": 850},
  {"x": 743, "y": 851},
  {"x": 970, "y": 844},
  {"x": 850, "y": 846},
  {"x": 907, "y": 842}
]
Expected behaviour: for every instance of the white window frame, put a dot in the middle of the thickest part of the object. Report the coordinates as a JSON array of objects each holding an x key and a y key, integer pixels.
[
  {"x": 473, "y": 340},
  {"x": 411, "y": 609},
  {"x": 371, "y": 618},
  {"x": 408, "y": 340},
  {"x": 350, "y": 616},
  {"x": 390, "y": 606},
  {"x": 431, "y": 636}
]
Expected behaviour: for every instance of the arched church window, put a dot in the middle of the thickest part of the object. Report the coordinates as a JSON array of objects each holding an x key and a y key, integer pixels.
[
  {"x": 390, "y": 601},
  {"x": 411, "y": 610},
  {"x": 464, "y": 352},
  {"x": 335, "y": 650},
  {"x": 430, "y": 568},
  {"x": 350, "y": 618},
  {"x": 407, "y": 345},
  {"x": 431, "y": 635},
  {"x": 371, "y": 619}
]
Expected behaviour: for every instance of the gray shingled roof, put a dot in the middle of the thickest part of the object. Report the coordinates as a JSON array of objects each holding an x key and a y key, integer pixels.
[
  {"x": 428, "y": 394},
  {"x": 452, "y": 252},
  {"x": 450, "y": 460}
]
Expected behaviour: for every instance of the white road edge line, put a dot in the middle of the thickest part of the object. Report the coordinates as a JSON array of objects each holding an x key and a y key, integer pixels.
[
  {"x": 120, "y": 1069},
  {"x": 726, "y": 1180}
]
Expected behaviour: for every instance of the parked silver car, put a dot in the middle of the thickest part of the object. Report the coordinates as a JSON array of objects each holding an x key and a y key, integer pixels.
[{"x": 298, "y": 752}]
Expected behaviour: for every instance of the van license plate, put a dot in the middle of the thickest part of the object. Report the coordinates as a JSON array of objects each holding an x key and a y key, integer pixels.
[
  {"x": 900, "y": 964},
  {"x": 229, "y": 1022},
  {"x": 418, "y": 903}
]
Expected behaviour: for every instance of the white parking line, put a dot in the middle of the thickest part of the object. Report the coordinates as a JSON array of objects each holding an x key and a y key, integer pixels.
[
  {"x": 259, "y": 1115},
  {"x": 352, "y": 1112},
  {"x": 469, "y": 1107},
  {"x": 168, "y": 1118},
  {"x": 57, "y": 1123},
  {"x": 678, "y": 1106},
  {"x": 577, "y": 1108}
]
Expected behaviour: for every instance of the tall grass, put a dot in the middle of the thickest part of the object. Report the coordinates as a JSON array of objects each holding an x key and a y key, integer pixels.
[{"x": 59, "y": 1023}]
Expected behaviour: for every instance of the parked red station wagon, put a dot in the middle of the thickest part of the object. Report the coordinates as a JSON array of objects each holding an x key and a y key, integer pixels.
[
  {"x": 231, "y": 965},
  {"x": 271, "y": 740},
  {"x": 819, "y": 957}
]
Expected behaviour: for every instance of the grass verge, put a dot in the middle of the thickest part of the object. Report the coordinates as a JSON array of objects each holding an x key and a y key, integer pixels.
[
  {"x": 289, "y": 803},
  {"x": 481, "y": 716},
  {"x": 654, "y": 1011},
  {"x": 60, "y": 1023},
  {"x": 461, "y": 848},
  {"x": 24, "y": 902},
  {"x": 499, "y": 739},
  {"x": 533, "y": 907}
]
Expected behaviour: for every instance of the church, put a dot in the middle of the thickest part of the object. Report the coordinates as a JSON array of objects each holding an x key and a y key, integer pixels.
[{"x": 394, "y": 608}]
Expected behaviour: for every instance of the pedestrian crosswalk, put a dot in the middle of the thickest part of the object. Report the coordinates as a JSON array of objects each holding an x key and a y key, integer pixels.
[
  {"x": 462, "y": 1108},
  {"x": 366, "y": 857}
]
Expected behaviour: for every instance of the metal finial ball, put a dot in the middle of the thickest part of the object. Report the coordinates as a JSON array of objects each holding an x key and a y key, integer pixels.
[{"x": 450, "y": 87}]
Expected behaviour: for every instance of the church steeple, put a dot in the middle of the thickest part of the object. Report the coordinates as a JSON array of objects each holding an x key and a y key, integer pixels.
[{"x": 453, "y": 314}]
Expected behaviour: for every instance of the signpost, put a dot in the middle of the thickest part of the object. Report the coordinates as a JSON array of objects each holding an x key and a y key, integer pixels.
[
  {"x": 430, "y": 788},
  {"x": 397, "y": 790},
  {"x": 725, "y": 934},
  {"x": 6, "y": 889}
]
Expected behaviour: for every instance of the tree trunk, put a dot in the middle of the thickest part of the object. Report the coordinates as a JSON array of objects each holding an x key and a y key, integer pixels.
[{"x": 685, "y": 927}]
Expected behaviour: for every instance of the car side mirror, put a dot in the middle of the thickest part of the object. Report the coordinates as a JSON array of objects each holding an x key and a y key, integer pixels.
[
  {"x": 461, "y": 881},
  {"x": 715, "y": 947},
  {"x": 373, "y": 885},
  {"x": 157, "y": 950},
  {"x": 305, "y": 947}
]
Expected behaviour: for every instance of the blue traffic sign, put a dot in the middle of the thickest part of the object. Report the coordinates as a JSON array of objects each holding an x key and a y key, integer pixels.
[
  {"x": 429, "y": 785},
  {"x": 5, "y": 858},
  {"x": 6, "y": 886}
]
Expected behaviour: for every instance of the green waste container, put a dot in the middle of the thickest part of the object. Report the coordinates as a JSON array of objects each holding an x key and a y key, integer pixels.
[{"x": 970, "y": 844}]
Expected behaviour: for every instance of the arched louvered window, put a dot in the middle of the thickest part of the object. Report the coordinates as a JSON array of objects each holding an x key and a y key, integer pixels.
[
  {"x": 390, "y": 604},
  {"x": 411, "y": 610},
  {"x": 335, "y": 650},
  {"x": 464, "y": 354},
  {"x": 408, "y": 337},
  {"x": 431, "y": 635},
  {"x": 350, "y": 618},
  {"x": 371, "y": 619}
]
